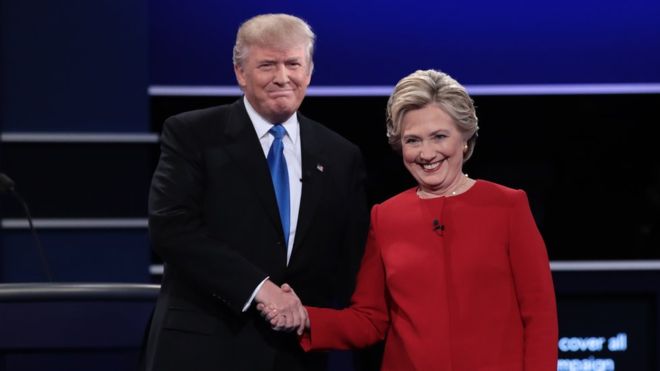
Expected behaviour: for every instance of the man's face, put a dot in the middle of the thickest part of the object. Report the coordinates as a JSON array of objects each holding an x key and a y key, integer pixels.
[{"x": 274, "y": 80}]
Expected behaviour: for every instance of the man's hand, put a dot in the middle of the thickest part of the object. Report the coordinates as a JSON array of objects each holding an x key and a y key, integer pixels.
[{"x": 281, "y": 307}]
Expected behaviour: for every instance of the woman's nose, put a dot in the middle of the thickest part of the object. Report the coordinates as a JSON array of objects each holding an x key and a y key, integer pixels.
[{"x": 426, "y": 152}]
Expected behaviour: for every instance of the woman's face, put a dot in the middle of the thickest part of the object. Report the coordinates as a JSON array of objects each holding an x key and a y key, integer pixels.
[{"x": 432, "y": 148}]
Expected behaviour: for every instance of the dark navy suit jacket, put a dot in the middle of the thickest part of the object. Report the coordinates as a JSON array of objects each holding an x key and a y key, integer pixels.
[{"x": 214, "y": 221}]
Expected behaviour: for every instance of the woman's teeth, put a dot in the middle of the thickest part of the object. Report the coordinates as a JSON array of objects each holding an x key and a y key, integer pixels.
[{"x": 431, "y": 166}]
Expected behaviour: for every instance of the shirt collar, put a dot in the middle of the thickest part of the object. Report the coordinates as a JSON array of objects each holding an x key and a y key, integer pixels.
[{"x": 262, "y": 126}]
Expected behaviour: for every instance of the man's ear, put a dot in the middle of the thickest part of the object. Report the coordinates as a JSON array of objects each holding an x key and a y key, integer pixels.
[{"x": 240, "y": 75}]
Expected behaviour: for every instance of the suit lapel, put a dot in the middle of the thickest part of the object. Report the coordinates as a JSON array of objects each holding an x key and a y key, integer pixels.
[
  {"x": 245, "y": 149},
  {"x": 312, "y": 174}
]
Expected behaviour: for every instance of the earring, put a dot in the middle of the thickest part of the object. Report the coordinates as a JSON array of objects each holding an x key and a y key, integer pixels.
[{"x": 465, "y": 148}]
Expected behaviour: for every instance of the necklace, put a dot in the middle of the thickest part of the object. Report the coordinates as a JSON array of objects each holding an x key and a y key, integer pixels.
[{"x": 464, "y": 179}]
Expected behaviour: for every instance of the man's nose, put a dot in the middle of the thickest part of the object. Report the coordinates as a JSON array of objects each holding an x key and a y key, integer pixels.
[{"x": 281, "y": 75}]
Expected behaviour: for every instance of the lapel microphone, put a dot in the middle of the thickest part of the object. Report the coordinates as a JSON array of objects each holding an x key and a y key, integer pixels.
[{"x": 438, "y": 228}]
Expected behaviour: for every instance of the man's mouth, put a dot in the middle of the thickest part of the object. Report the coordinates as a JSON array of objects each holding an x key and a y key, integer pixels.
[{"x": 280, "y": 93}]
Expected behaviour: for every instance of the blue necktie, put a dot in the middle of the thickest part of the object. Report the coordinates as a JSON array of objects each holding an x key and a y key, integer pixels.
[{"x": 280, "y": 176}]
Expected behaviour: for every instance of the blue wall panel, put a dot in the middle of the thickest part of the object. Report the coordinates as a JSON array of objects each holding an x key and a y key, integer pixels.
[
  {"x": 87, "y": 255},
  {"x": 378, "y": 42},
  {"x": 74, "y": 65}
]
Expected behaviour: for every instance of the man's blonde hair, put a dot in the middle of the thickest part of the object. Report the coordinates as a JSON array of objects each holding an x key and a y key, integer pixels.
[{"x": 273, "y": 30}]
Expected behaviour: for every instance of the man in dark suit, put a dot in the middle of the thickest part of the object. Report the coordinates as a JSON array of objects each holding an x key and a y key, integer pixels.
[{"x": 247, "y": 197}]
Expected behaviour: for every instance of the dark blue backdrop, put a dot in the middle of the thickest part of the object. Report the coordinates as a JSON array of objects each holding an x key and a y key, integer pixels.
[{"x": 378, "y": 42}]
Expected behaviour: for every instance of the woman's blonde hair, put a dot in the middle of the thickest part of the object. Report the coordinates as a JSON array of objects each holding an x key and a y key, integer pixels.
[{"x": 422, "y": 88}]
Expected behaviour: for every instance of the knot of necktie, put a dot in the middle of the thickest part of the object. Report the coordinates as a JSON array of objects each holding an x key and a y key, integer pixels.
[{"x": 278, "y": 131}]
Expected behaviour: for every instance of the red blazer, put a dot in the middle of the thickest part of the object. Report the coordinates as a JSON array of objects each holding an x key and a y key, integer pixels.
[{"x": 456, "y": 283}]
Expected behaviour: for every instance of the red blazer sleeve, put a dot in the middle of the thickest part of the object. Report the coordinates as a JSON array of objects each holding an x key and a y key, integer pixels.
[
  {"x": 534, "y": 288},
  {"x": 366, "y": 321}
]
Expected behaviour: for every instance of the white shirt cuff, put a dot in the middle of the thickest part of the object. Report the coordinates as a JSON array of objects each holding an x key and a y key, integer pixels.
[{"x": 254, "y": 293}]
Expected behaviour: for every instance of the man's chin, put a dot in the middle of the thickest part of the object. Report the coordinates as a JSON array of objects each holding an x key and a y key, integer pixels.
[
  {"x": 285, "y": 107},
  {"x": 281, "y": 114}
]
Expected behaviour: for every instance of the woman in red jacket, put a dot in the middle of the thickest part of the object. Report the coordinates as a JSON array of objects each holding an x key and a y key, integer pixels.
[{"x": 455, "y": 274}]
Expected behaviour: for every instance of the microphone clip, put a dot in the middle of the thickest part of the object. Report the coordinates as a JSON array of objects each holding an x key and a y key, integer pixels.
[{"x": 438, "y": 228}]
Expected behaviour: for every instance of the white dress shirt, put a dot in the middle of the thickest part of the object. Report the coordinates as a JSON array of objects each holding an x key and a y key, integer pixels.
[{"x": 292, "y": 154}]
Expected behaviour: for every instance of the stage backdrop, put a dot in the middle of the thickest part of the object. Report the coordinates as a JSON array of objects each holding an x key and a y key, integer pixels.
[{"x": 368, "y": 43}]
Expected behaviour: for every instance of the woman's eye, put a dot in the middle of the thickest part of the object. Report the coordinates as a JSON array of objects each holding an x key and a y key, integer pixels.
[{"x": 411, "y": 140}]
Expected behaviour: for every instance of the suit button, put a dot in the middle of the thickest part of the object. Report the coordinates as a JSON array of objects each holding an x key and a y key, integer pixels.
[{"x": 279, "y": 244}]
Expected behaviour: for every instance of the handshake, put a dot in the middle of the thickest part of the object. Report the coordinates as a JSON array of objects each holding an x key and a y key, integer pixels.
[{"x": 282, "y": 308}]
